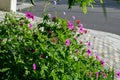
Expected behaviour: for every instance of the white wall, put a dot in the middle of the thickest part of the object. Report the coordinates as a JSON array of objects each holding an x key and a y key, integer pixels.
[{"x": 8, "y": 5}]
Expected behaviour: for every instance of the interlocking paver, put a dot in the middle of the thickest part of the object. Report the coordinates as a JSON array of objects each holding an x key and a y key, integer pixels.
[{"x": 106, "y": 46}]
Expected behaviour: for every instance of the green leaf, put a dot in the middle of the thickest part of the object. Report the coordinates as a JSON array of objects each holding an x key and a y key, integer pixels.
[
  {"x": 104, "y": 10},
  {"x": 84, "y": 8},
  {"x": 33, "y": 2},
  {"x": 53, "y": 74},
  {"x": 64, "y": 77},
  {"x": 101, "y": 1}
]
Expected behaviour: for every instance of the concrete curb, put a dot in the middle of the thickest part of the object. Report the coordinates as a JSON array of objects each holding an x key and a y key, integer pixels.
[
  {"x": 113, "y": 37},
  {"x": 21, "y": 5}
]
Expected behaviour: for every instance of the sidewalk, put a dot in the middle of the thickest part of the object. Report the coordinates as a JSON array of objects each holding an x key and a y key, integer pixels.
[{"x": 107, "y": 45}]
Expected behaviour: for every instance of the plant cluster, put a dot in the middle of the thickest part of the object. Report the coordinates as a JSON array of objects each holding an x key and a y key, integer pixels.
[{"x": 48, "y": 51}]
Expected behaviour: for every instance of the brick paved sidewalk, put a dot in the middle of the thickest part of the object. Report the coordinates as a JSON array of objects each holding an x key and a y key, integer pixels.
[{"x": 107, "y": 46}]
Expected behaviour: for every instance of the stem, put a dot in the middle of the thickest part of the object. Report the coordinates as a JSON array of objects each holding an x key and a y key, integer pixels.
[{"x": 46, "y": 4}]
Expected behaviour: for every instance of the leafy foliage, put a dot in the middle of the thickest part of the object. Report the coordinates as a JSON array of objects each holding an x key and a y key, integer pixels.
[
  {"x": 82, "y": 3},
  {"x": 44, "y": 48}
]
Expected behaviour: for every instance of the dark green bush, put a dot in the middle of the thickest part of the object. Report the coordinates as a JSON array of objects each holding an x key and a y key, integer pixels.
[{"x": 29, "y": 53}]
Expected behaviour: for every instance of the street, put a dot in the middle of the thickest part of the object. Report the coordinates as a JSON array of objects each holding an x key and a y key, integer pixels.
[{"x": 94, "y": 19}]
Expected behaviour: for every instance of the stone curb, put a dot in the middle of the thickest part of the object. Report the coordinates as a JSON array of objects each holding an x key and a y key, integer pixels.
[
  {"x": 21, "y": 5},
  {"x": 113, "y": 37}
]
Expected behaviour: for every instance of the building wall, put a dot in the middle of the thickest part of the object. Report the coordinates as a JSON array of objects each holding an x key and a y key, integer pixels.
[{"x": 8, "y": 5}]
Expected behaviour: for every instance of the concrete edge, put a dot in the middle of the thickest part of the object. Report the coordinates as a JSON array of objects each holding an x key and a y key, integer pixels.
[
  {"x": 21, "y": 5},
  {"x": 105, "y": 33}
]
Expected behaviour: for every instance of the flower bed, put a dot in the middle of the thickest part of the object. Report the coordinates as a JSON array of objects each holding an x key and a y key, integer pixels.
[{"x": 53, "y": 53}]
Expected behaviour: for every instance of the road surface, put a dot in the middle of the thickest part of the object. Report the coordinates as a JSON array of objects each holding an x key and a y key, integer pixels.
[{"x": 94, "y": 19}]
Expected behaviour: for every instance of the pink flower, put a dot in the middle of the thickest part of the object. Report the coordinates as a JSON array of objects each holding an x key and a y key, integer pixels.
[
  {"x": 67, "y": 42},
  {"x": 88, "y": 51},
  {"x": 34, "y": 66},
  {"x": 70, "y": 25},
  {"x": 118, "y": 74},
  {"x": 97, "y": 73},
  {"x": 104, "y": 74},
  {"x": 30, "y": 25},
  {"x": 76, "y": 51},
  {"x": 97, "y": 57},
  {"x": 81, "y": 25},
  {"x": 29, "y": 15},
  {"x": 81, "y": 28},
  {"x": 102, "y": 62},
  {"x": 89, "y": 44},
  {"x": 85, "y": 31}
]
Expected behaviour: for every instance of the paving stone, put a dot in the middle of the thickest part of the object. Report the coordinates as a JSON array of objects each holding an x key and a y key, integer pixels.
[{"x": 107, "y": 47}]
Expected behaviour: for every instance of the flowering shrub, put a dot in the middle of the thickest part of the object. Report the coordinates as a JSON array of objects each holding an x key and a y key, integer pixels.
[
  {"x": 82, "y": 3},
  {"x": 47, "y": 52}
]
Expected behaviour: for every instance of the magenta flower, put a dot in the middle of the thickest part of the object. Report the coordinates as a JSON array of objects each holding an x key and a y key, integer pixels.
[
  {"x": 54, "y": 18},
  {"x": 76, "y": 51},
  {"x": 97, "y": 57},
  {"x": 33, "y": 50},
  {"x": 30, "y": 25},
  {"x": 34, "y": 66},
  {"x": 97, "y": 73},
  {"x": 102, "y": 62},
  {"x": 41, "y": 56},
  {"x": 88, "y": 51},
  {"x": 89, "y": 44},
  {"x": 32, "y": 16},
  {"x": 81, "y": 25},
  {"x": 104, "y": 74},
  {"x": 67, "y": 42},
  {"x": 70, "y": 25},
  {"x": 29, "y": 15},
  {"x": 81, "y": 28},
  {"x": 118, "y": 74}
]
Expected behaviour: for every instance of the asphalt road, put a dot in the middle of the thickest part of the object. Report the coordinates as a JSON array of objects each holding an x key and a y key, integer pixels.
[{"x": 94, "y": 19}]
